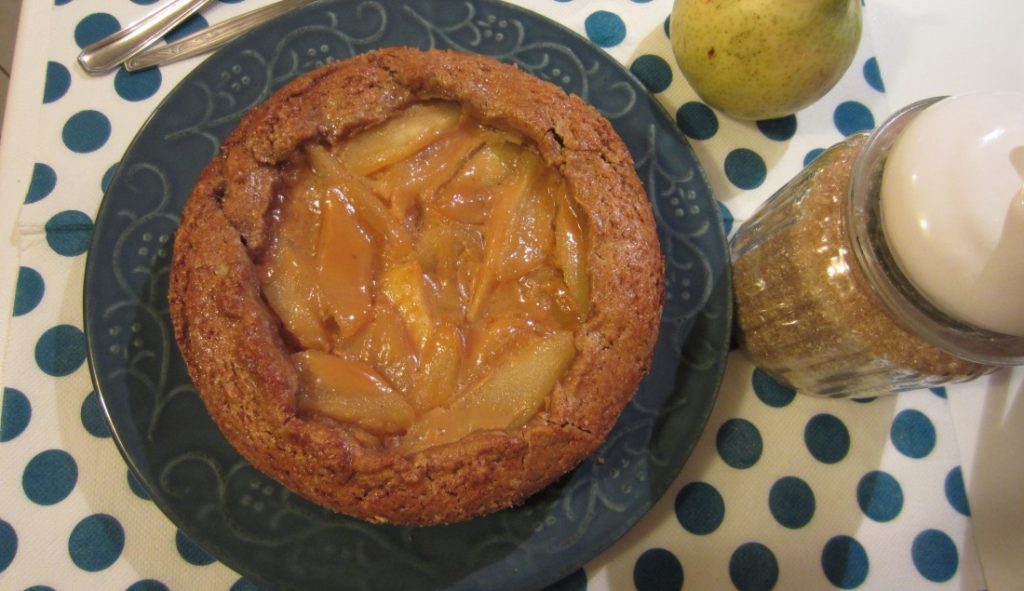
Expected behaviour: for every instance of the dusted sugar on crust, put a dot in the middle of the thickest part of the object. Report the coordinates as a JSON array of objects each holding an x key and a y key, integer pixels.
[{"x": 242, "y": 361}]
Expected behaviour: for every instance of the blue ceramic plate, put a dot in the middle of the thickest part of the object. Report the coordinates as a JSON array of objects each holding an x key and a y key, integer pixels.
[{"x": 250, "y": 522}]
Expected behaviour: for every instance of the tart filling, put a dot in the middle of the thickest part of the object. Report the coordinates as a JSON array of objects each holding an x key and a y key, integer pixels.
[{"x": 430, "y": 273}]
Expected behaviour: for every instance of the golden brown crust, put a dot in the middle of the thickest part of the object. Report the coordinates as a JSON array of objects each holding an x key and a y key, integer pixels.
[{"x": 232, "y": 344}]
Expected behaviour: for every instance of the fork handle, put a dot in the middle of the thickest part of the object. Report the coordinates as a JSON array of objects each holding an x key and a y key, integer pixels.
[
  {"x": 108, "y": 53},
  {"x": 210, "y": 38}
]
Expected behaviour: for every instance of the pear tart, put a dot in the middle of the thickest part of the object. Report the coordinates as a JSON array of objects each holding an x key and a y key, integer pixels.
[{"x": 417, "y": 287}]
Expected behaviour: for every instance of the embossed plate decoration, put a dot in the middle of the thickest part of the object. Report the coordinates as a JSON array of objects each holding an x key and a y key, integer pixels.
[{"x": 256, "y": 526}]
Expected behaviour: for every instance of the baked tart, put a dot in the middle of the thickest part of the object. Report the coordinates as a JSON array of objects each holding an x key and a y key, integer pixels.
[{"x": 417, "y": 287}]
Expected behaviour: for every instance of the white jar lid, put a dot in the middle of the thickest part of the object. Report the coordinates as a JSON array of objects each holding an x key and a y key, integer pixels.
[{"x": 952, "y": 208}]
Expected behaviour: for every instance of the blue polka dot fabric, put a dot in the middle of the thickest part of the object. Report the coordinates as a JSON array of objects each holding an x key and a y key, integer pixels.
[
  {"x": 787, "y": 491},
  {"x": 782, "y": 491}
]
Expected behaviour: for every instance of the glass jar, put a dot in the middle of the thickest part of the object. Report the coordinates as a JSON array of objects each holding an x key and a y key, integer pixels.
[{"x": 821, "y": 304}]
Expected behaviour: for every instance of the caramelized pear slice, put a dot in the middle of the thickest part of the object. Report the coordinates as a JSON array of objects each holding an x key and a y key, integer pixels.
[
  {"x": 297, "y": 218},
  {"x": 490, "y": 339},
  {"x": 540, "y": 297},
  {"x": 467, "y": 198},
  {"x": 444, "y": 249},
  {"x": 400, "y": 137},
  {"x": 288, "y": 276},
  {"x": 350, "y": 392},
  {"x": 367, "y": 205},
  {"x": 345, "y": 266},
  {"x": 385, "y": 344},
  {"x": 501, "y": 227},
  {"x": 289, "y": 284},
  {"x": 570, "y": 247},
  {"x": 417, "y": 179},
  {"x": 531, "y": 236},
  {"x": 438, "y": 376},
  {"x": 505, "y": 399},
  {"x": 404, "y": 287},
  {"x": 440, "y": 250},
  {"x": 549, "y": 299}
]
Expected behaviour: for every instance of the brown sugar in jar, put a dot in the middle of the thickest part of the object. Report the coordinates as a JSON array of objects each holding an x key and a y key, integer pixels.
[{"x": 812, "y": 310}]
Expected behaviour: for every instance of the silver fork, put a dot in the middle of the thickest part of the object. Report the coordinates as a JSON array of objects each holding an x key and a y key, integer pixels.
[
  {"x": 108, "y": 53},
  {"x": 211, "y": 37}
]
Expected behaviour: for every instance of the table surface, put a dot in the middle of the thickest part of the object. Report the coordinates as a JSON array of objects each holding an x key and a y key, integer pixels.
[{"x": 922, "y": 48}]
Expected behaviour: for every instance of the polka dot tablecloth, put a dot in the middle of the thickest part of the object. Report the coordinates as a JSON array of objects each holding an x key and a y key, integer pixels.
[{"x": 782, "y": 492}]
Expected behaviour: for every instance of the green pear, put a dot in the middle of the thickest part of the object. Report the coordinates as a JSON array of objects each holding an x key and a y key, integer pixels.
[{"x": 761, "y": 59}]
